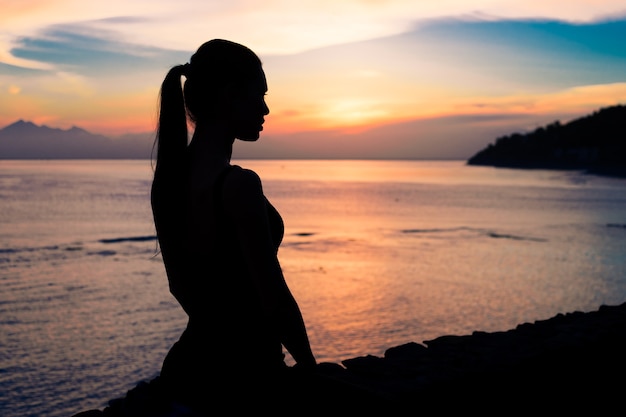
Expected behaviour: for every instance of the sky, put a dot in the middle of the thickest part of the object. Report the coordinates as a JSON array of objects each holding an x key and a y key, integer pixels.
[{"x": 347, "y": 79}]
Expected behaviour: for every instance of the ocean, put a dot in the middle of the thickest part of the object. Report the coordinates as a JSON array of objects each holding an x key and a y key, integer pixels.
[{"x": 377, "y": 253}]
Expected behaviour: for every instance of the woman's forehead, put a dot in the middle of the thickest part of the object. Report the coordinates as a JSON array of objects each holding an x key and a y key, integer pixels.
[{"x": 258, "y": 80}]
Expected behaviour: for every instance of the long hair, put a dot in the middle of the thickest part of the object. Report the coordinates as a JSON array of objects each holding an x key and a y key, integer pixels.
[{"x": 167, "y": 195}]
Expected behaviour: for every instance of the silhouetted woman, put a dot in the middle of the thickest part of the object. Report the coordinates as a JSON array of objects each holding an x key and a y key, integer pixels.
[{"x": 219, "y": 236}]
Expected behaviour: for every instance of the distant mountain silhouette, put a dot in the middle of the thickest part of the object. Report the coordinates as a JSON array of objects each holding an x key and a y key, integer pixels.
[
  {"x": 596, "y": 143},
  {"x": 26, "y": 140}
]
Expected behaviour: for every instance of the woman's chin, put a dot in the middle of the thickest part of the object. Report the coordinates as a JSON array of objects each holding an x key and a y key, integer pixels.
[{"x": 249, "y": 137}]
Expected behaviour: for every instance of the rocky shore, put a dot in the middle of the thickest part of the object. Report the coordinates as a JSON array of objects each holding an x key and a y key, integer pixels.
[{"x": 572, "y": 362}]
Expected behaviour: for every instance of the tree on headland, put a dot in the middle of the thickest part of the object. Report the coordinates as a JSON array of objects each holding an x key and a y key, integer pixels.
[{"x": 596, "y": 143}]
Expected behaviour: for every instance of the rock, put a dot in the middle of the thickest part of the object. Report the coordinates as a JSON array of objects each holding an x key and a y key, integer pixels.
[{"x": 569, "y": 363}]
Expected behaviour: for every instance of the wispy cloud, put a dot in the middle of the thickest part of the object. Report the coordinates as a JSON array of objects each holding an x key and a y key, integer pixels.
[
  {"x": 439, "y": 67},
  {"x": 530, "y": 51},
  {"x": 81, "y": 48}
]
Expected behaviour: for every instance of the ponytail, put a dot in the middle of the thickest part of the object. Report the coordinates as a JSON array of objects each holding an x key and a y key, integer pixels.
[
  {"x": 169, "y": 182},
  {"x": 171, "y": 136}
]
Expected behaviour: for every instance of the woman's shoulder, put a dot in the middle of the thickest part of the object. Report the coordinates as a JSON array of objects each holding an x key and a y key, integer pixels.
[
  {"x": 240, "y": 175},
  {"x": 242, "y": 182}
]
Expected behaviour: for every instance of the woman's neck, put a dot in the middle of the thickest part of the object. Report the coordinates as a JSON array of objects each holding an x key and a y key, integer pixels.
[{"x": 210, "y": 141}]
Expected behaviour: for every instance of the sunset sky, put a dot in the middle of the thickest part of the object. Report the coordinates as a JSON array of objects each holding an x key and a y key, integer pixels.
[{"x": 369, "y": 78}]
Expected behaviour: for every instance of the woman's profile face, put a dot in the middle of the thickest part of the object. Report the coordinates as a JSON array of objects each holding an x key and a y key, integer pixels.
[{"x": 250, "y": 109}]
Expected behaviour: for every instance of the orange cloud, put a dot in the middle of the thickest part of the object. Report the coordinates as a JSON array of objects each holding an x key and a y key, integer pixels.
[{"x": 573, "y": 100}]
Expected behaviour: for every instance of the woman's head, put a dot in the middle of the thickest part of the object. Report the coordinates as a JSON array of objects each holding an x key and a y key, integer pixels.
[{"x": 225, "y": 81}]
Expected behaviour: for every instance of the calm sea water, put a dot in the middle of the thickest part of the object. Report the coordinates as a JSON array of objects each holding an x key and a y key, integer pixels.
[{"x": 378, "y": 253}]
